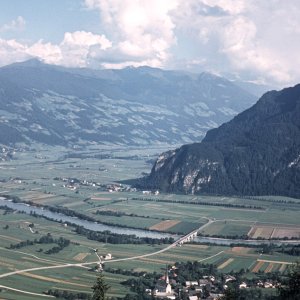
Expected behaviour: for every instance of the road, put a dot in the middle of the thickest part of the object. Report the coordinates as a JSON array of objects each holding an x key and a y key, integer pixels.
[
  {"x": 24, "y": 292},
  {"x": 83, "y": 265},
  {"x": 108, "y": 261}
]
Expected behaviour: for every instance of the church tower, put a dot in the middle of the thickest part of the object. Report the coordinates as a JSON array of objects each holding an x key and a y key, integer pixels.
[{"x": 168, "y": 285}]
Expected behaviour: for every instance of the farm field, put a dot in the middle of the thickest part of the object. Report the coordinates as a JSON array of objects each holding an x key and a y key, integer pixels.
[
  {"x": 40, "y": 178},
  {"x": 274, "y": 231},
  {"x": 226, "y": 258}
]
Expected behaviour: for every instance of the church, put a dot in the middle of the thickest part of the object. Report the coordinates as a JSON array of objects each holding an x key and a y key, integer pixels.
[{"x": 163, "y": 288}]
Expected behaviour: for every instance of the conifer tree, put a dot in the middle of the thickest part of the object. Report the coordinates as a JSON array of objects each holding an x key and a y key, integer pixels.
[{"x": 100, "y": 288}]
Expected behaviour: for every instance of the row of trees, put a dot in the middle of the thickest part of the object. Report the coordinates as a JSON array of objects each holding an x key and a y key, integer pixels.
[
  {"x": 220, "y": 204},
  {"x": 114, "y": 238},
  {"x": 46, "y": 239},
  {"x": 121, "y": 214}
]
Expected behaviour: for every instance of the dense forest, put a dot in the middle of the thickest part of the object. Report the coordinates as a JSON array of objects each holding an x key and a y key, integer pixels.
[{"x": 256, "y": 153}]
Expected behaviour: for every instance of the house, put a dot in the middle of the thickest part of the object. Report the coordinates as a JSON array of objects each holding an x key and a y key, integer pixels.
[
  {"x": 215, "y": 296},
  {"x": 260, "y": 284},
  {"x": 268, "y": 285},
  {"x": 229, "y": 278},
  {"x": 108, "y": 256},
  {"x": 146, "y": 192},
  {"x": 198, "y": 288},
  {"x": 204, "y": 282},
  {"x": 148, "y": 291},
  {"x": 191, "y": 283},
  {"x": 243, "y": 285}
]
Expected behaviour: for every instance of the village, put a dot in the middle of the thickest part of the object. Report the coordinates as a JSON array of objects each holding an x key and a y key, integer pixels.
[{"x": 209, "y": 287}]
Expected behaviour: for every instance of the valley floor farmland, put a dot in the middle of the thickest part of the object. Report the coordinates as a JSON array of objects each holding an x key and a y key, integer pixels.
[{"x": 89, "y": 185}]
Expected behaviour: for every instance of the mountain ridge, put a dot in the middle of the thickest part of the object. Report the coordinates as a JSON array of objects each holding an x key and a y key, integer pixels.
[
  {"x": 132, "y": 106},
  {"x": 256, "y": 153}
]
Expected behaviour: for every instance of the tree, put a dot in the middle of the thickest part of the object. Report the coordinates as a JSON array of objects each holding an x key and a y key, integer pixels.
[
  {"x": 100, "y": 288},
  {"x": 230, "y": 294},
  {"x": 291, "y": 287}
]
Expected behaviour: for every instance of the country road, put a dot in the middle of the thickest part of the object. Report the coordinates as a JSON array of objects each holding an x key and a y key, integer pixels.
[
  {"x": 108, "y": 261},
  {"x": 25, "y": 292},
  {"x": 83, "y": 265}
]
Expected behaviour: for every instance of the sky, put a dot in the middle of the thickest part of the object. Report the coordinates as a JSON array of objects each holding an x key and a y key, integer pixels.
[{"x": 249, "y": 40}]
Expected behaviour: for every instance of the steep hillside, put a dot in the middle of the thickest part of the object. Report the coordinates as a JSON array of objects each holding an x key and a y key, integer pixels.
[
  {"x": 256, "y": 153},
  {"x": 133, "y": 106}
]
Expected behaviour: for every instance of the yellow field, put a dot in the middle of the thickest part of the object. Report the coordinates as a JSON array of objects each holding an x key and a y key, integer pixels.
[
  {"x": 272, "y": 231},
  {"x": 286, "y": 232},
  {"x": 240, "y": 250},
  {"x": 275, "y": 261},
  {"x": 44, "y": 278},
  {"x": 35, "y": 196},
  {"x": 257, "y": 266},
  {"x": 164, "y": 225},
  {"x": 100, "y": 198},
  {"x": 80, "y": 256},
  {"x": 269, "y": 268},
  {"x": 226, "y": 263}
]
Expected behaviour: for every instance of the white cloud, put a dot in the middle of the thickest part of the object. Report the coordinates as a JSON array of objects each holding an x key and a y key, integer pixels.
[
  {"x": 15, "y": 25},
  {"x": 77, "y": 47},
  {"x": 12, "y": 51},
  {"x": 47, "y": 52},
  {"x": 75, "y": 50},
  {"x": 256, "y": 40},
  {"x": 142, "y": 30}
]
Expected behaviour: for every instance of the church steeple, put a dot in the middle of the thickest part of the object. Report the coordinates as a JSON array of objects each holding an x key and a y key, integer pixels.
[{"x": 167, "y": 276}]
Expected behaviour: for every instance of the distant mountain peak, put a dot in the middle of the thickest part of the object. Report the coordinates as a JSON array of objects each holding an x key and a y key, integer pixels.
[
  {"x": 33, "y": 62},
  {"x": 136, "y": 106}
]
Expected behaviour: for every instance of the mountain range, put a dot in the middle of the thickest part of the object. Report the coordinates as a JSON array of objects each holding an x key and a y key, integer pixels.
[
  {"x": 256, "y": 153},
  {"x": 133, "y": 106}
]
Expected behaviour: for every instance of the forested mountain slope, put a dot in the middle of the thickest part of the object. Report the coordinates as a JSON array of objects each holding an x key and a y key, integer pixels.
[{"x": 256, "y": 153}]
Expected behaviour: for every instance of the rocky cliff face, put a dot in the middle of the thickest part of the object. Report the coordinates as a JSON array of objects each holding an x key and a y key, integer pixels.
[{"x": 256, "y": 153}]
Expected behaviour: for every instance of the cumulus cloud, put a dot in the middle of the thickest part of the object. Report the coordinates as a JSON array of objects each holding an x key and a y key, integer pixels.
[
  {"x": 78, "y": 47},
  {"x": 75, "y": 50},
  {"x": 255, "y": 40},
  {"x": 12, "y": 51},
  {"x": 141, "y": 30},
  {"x": 47, "y": 52},
  {"x": 15, "y": 25}
]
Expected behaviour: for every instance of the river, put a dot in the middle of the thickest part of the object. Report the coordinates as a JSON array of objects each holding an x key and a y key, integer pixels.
[
  {"x": 96, "y": 226},
  {"x": 26, "y": 208}
]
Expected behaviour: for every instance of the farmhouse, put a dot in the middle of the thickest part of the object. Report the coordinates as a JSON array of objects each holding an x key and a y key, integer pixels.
[
  {"x": 243, "y": 285},
  {"x": 108, "y": 256}
]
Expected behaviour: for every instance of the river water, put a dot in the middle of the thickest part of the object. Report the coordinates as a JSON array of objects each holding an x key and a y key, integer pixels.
[{"x": 26, "y": 208}]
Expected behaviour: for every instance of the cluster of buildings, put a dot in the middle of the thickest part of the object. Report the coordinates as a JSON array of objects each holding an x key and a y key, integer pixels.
[
  {"x": 207, "y": 287},
  {"x": 6, "y": 154},
  {"x": 156, "y": 193},
  {"x": 204, "y": 288},
  {"x": 74, "y": 184}
]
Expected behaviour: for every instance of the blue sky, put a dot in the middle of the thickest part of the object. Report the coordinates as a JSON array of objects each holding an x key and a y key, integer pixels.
[{"x": 253, "y": 40}]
